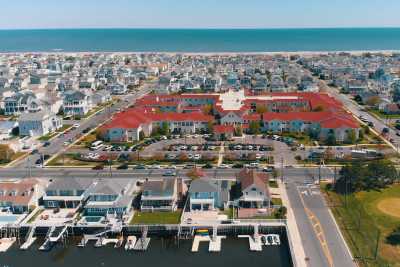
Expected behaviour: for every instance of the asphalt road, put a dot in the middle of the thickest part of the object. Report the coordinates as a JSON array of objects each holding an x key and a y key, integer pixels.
[
  {"x": 302, "y": 196},
  {"x": 357, "y": 110}
]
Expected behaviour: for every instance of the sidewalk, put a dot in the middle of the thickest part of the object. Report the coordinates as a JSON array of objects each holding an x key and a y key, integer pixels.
[{"x": 296, "y": 245}]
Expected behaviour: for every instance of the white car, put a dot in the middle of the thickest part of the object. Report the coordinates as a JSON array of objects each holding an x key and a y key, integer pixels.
[
  {"x": 197, "y": 157},
  {"x": 154, "y": 167},
  {"x": 171, "y": 156},
  {"x": 76, "y": 125},
  {"x": 190, "y": 156},
  {"x": 223, "y": 166}
]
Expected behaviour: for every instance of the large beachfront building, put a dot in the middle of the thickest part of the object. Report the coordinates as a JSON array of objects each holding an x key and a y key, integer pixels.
[{"x": 313, "y": 113}]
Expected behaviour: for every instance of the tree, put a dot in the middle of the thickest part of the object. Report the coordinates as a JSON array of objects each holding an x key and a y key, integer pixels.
[
  {"x": 208, "y": 109},
  {"x": 318, "y": 108},
  {"x": 6, "y": 153},
  {"x": 394, "y": 237},
  {"x": 351, "y": 137},
  {"x": 281, "y": 213},
  {"x": 238, "y": 131},
  {"x": 360, "y": 176},
  {"x": 210, "y": 127},
  {"x": 331, "y": 138},
  {"x": 396, "y": 94},
  {"x": 164, "y": 130},
  {"x": 261, "y": 109},
  {"x": 358, "y": 99},
  {"x": 373, "y": 101},
  {"x": 254, "y": 127},
  {"x": 141, "y": 135}
]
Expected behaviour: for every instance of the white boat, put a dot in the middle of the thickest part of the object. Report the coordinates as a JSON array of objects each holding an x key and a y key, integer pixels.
[
  {"x": 119, "y": 243},
  {"x": 130, "y": 242}
]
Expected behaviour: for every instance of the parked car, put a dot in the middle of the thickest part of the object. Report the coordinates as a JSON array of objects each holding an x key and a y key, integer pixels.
[
  {"x": 139, "y": 167},
  {"x": 122, "y": 167},
  {"x": 169, "y": 173},
  {"x": 98, "y": 167}
]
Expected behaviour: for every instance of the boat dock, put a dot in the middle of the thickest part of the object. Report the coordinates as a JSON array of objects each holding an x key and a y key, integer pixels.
[
  {"x": 142, "y": 243},
  {"x": 30, "y": 238},
  {"x": 130, "y": 242},
  {"x": 214, "y": 243},
  {"x": 6, "y": 243}
]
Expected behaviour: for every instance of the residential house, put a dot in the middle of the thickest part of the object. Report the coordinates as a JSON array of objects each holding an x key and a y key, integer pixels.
[
  {"x": 254, "y": 192},
  {"x": 76, "y": 103},
  {"x": 161, "y": 195},
  {"x": 20, "y": 196},
  {"x": 6, "y": 129},
  {"x": 208, "y": 194},
  {"x": 38, "y": 123},
  {"x": 18, "y": 103},
  {"x": 70, "y": 192},
  {"x": 111, "y": 196}
]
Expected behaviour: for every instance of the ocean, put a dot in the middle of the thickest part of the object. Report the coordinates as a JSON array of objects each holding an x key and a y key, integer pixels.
[{"x": 200, "y": 40}]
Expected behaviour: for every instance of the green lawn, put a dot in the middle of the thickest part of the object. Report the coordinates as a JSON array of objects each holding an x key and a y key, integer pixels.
[
  {"x": 382, "y": 115},
  {"x": 69, "y": 160},
  {"x": 64, "y": 128},
  {"x": 361, "y": 223},
  {"x": 228, "y": 212},
  {"x": 156, "y": 218},
  {"x": 276, "y": 201},
  {"x": 273, "y": 184},
  {"x": 47, "y": 137}
]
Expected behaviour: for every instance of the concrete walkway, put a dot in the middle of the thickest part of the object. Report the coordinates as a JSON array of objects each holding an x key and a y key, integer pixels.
[
  {"x": 221, "y": 154},
  {"x": 293, "y": 231}
]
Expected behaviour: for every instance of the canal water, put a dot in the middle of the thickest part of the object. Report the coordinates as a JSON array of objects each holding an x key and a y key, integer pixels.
[{"x": 161, "y": 252}]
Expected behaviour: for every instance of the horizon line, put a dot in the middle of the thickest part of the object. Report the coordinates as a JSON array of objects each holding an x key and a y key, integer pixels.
[{"x": 200, "y": 28}]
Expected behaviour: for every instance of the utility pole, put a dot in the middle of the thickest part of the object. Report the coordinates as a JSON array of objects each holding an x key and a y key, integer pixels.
[
  {"x": 110, "y": 164},
  {"x": 334, "y": 176},
  {"x": 282, "y": 169},
  {"x": 29, "y": 167},
  {"x": 319, "y": 173}
]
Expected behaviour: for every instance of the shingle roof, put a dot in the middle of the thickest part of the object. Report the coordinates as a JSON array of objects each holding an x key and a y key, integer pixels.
[
  {"x": 203, "y": 185},
  {"x": 70, "y": 184}
]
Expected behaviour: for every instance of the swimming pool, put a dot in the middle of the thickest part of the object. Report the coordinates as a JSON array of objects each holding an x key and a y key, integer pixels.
[
  {"x": 4, "y": 219},
  {"x": 93, "y": 219}
]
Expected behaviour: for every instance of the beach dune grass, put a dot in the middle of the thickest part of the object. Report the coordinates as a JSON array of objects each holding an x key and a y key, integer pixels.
[{"x": 156, "y": 217}]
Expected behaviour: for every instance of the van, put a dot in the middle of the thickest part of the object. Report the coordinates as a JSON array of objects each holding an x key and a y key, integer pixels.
[{"x": 96, "y": 145}]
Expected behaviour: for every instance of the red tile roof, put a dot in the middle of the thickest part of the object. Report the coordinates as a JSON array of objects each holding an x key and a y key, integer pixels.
[
  {"x": 133, "y": 118},
  {"x": 223, "y": 129}
]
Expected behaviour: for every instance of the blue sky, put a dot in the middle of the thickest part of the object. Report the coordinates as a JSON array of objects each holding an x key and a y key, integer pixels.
[{"x": 19, "y": 14}]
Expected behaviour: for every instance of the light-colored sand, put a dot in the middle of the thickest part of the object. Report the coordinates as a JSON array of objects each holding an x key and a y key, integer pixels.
[{"x": 390, "y": 206}]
